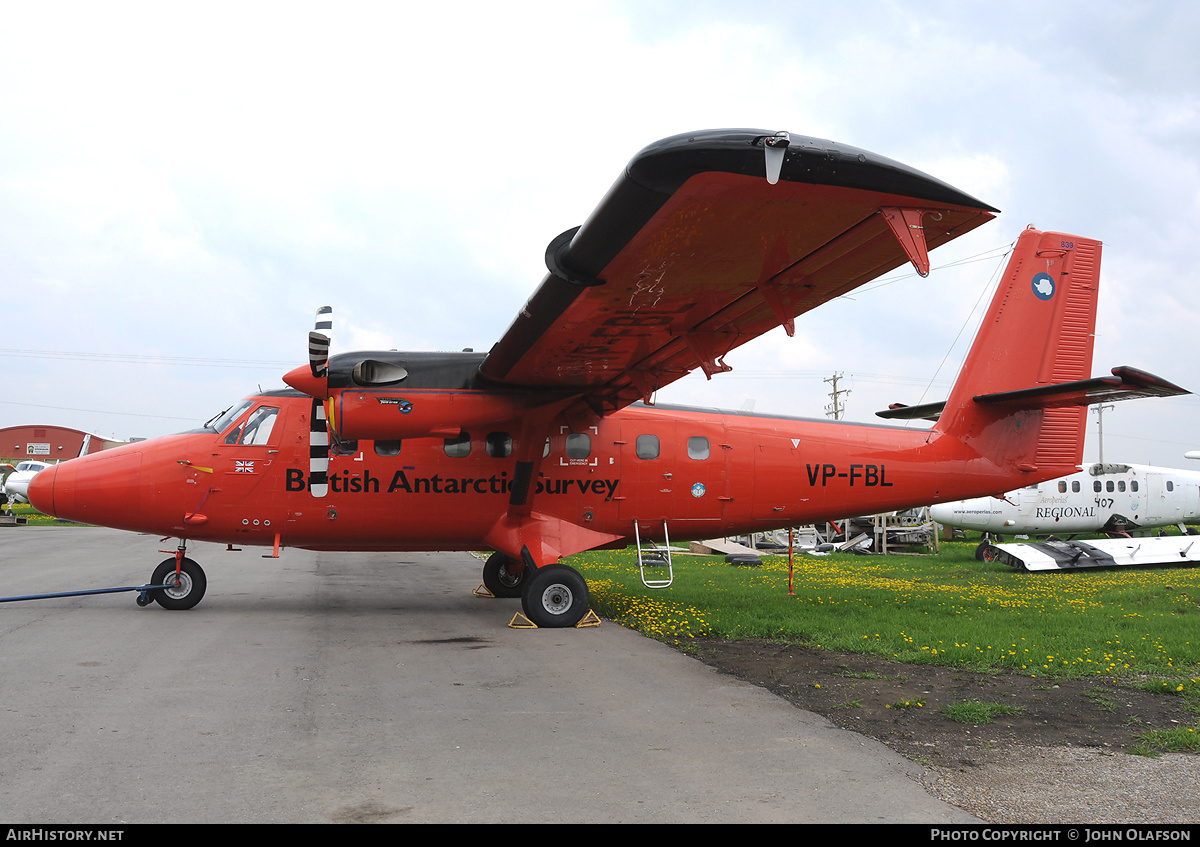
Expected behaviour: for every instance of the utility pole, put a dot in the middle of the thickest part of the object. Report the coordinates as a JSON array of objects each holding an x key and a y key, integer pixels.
[
  {"x": 1099, "y": 410},
  {"x": 836, "y": 409}
]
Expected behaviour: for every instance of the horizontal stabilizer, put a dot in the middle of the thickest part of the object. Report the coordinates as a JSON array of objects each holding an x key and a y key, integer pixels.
[
  {"x": 924, "y": 411},
  {"x": 1126, "y": 383}
]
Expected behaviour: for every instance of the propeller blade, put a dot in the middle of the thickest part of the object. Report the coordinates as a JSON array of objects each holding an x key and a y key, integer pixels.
[
  {"x": 318, "y": 342},
  {"x": 318, "y": 451},
  {"x": 318, "y": 426}
]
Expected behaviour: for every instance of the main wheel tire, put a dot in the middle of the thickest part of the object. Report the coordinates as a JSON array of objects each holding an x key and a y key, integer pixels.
[
  {"x": 502, "y": 582},
  {"x": 555, "y": 596},
  {"x": 183, "y": 592}
]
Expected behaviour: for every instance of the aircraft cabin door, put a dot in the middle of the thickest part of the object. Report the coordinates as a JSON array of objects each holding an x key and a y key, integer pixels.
[
  {"x": 673, "y": 471},
  {"x": 1163, "y": 499},
  {"x": 244, "y": 457}
]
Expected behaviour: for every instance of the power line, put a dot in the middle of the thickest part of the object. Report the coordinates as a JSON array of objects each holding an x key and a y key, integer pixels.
[
  {"x": 142, "y": 359},
  {"x": 97, "y": 411}
]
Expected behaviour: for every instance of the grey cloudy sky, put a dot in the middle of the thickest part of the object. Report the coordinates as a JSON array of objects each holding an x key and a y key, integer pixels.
[{"x": 181, "y": 185}]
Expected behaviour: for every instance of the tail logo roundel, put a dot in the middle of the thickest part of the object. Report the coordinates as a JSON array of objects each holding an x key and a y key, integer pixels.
[{"x": 1043, "y": 286}]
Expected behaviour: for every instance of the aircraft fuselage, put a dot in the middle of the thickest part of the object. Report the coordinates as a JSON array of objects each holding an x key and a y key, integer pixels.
[{"x": 705, "y": 473}]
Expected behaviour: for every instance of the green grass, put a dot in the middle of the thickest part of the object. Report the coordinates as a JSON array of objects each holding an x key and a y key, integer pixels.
[
  {"x": 1139, "y": 626},
  {"x": 35, "y": 518},
  {"x": 1158, "y": 741},
  {"x": 1101, "y": 699},
  {"x": 1177, "y": 687},
  {"x": 977, "y": 712},
  {"x": 947, "y": 610}
]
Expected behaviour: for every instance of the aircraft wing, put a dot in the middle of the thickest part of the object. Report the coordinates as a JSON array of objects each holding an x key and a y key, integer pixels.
[{"x": 707, "y": 241}]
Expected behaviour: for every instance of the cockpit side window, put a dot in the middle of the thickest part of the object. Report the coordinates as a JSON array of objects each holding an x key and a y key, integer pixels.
[
  {"x": 256, "y": 429},
  {"x": 259, "y": 425}
]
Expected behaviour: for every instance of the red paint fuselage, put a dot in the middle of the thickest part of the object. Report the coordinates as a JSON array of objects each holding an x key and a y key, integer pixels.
[{"x": 705, "y": 473}]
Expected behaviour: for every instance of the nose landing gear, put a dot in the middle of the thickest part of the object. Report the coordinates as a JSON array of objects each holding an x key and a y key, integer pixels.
[{"x": 184, "y": 589}]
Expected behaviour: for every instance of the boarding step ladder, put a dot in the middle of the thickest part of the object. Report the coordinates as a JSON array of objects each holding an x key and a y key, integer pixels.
[{"x": 654, "y": 583}]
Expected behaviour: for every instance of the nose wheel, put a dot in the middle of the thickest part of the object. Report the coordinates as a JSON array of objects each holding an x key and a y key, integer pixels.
[{"x": 184, "y": 589}]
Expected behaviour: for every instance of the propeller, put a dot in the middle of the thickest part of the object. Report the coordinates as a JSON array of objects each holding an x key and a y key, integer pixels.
[
  {"x": 318, "y": 343},
  {"x": 314, "y": 381}
]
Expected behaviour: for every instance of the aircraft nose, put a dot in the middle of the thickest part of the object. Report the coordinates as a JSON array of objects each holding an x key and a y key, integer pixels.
[
  {"x": 103, "y": 488},
  {"x": 41, "y": 491}
]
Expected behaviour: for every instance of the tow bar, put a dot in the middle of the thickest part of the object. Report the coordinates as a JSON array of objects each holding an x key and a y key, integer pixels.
[{"x": 143, "y": 599}]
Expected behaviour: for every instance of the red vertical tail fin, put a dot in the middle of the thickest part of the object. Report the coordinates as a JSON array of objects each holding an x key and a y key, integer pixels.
[{"x": 1038, "y": 330}]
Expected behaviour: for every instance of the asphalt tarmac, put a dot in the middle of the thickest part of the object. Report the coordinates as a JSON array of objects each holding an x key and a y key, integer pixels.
[{"x": 374, "y": 687}]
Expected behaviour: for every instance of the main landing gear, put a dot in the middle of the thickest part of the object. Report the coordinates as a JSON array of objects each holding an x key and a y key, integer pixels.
[
  {"x": 551, "y": 596},
  {"x": 501, "y": 581}
]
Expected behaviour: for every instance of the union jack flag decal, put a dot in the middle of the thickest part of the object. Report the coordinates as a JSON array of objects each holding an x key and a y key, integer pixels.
[{"x": 243, "y": 467}]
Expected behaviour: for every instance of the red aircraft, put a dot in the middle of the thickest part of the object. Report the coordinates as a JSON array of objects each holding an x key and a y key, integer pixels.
[{"x": 550, "y": 444}]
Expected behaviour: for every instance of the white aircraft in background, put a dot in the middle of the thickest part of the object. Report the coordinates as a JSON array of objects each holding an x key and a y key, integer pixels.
[
  {"x": 1110, "y": 498},
  {"x": 16, "y": 484}
]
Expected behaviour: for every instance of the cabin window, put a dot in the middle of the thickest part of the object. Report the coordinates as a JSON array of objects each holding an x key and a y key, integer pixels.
[
  {"x": 387, "y": 448},
  {"x": 1120, "y": 485},
  {"x": 1170, "y": 485},
  {"x": 1075, "y": 485},
  {"x": 1062, "y": 486},
  {"x": 697, "y": 447},
  {"x": 1133, "y": 486},
  {"x": 579, "y": 445},
  {"x": 1097, "y": 487},
  {"x": 1109, "y": 485},
  {"x": 499, "y": 445},
  {"x": 458, "y": 448},
  {"x": 647, "y": 446}
]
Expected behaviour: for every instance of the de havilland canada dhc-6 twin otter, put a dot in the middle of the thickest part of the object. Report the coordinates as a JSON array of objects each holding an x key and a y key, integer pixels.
[{"x": 550, "y": 444}]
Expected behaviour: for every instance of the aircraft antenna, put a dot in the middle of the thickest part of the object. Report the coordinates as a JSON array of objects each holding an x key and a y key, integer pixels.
[{"x": 991, "y": 285}]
